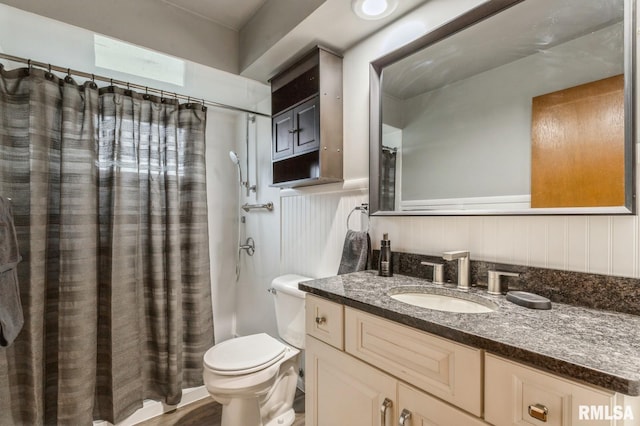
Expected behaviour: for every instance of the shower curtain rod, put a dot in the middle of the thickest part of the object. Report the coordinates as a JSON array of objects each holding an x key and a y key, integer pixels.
[{"x": 127, "y": 84}]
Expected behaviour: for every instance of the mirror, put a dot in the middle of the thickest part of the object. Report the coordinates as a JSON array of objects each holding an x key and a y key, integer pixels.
[{"x": 516, "y": 107}]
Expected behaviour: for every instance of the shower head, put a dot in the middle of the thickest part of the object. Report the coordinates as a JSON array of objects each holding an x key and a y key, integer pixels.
[
  {"x": 236, "y": 161},
  {"x": 234, "y": 157}
]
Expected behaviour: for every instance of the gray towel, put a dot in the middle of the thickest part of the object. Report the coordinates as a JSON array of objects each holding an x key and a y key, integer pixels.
[
  {"x": 11, "y": 319},
  {"x": 355, "y": 252}
]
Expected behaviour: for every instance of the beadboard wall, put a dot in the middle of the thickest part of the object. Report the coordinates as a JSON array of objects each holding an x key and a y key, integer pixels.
[
  {"x": 313, "y": 226},
  {"x": 594, "y": 244}
]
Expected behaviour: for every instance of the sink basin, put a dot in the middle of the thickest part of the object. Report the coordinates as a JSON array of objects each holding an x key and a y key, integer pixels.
[{"x": 442, "y": 302}]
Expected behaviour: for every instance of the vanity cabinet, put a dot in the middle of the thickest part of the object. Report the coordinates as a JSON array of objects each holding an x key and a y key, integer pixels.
[
  {"x": 516, "y": 394},
  {"x": 365, "y": 370},
  {"x": 385, "y": 368},
  {"x": 306, "y": 106}
]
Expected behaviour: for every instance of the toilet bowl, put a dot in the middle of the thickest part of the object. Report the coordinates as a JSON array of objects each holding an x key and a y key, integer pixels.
[{"x": 254, "y": 377}]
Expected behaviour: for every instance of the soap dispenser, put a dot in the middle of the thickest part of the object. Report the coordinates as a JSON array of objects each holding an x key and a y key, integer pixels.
[{"x": 385, "y": 263}]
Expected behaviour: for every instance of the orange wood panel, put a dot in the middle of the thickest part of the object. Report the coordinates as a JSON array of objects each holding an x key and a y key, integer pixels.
[{"x": 577, "y": 139}]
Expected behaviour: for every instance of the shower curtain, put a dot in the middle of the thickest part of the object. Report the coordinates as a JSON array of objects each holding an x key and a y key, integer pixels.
[
  {"x": 109, "y": 199},
  {"x": 388, "y": 179}
]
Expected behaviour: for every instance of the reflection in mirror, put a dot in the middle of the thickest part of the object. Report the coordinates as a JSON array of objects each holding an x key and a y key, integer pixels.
[{"x": 525, "y": 111}]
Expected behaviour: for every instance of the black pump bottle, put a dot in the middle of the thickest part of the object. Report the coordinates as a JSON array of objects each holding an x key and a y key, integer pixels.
[{"x": 385, "y": 263}]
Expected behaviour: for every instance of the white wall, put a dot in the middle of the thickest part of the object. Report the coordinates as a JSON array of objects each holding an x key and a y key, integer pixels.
[
  {"x": 596, "y": 244},
  {"x": 151, "y": 23},
  {"x": 254, "y": 308}
]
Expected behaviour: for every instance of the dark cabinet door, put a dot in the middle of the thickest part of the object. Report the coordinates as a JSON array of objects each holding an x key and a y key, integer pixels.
[
  {"x": 307, "y": 126},
  {"x": 297, "y": 130},
  {"x": 282, "y": 145}
]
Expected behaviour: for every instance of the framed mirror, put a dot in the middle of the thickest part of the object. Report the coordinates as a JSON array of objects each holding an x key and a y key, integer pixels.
[{"x": 515, "y": 107}]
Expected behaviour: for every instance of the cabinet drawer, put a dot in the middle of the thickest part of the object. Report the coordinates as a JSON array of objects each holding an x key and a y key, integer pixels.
[
  {"x": 448, "y": 370},
  {"x": 324, "y": 320},
  {"x": 511, "y": 388},
  {"x": 424, "y": 409}
]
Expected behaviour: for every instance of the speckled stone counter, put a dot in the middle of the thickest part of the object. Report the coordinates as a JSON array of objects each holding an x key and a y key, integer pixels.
[{"x": 597, "y": 347}]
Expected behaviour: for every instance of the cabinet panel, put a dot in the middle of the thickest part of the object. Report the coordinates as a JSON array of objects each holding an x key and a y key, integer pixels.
[
  {"x": 427, "y": 410},
  {"x": 324, "y": 320},
  {"x": 445, "y": 369},
  {"x": 341, "y": 390},
  {"x": 307, "y": 126},
  {"x": 282, "y": 145},
  {"x": 510, "y": 389}
]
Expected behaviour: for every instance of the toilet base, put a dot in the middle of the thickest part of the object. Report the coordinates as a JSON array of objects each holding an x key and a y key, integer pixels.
[
  {"x": 241, "y": 412},
  {"x": 285, "y": 419},
  {"x": 263, "y": 398}
]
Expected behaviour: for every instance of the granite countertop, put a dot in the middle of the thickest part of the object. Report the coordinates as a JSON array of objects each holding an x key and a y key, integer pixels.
[{"x": 597, "y": 347}]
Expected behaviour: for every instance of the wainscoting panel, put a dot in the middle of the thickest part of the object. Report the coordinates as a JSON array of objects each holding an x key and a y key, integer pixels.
[
  {"x": 313, "y": 229},
  {"x": 594, "y": 244}
]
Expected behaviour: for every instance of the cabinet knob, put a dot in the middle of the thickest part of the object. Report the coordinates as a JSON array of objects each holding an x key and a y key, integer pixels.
[
  {"x": 294, "y": 130},
  {"x": 386, "y": 404},
  {"x": 406, "y": 415},
  {"x": 539, "y": 412},
  {"x": 320, "y": 320}
]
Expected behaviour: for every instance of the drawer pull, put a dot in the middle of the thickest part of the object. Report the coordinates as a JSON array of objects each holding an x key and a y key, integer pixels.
[
  {"x": 386, "y": 404},
  {"x": 320, "y": 320},
  {"x": 539, "y": 412},
  {"x": 406, "y": 415}
]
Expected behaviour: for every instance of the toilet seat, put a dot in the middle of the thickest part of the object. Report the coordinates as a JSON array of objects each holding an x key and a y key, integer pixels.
[{"x": 244, "y": 355}]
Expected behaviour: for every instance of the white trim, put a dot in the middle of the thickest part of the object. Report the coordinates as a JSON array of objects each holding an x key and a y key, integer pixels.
[
  {"x": 351, "y": 185},
  {"x": 507, "y": 202}
]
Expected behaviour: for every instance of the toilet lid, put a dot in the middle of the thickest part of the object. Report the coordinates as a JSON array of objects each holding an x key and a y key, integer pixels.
[{"x": 244, "y": 354}]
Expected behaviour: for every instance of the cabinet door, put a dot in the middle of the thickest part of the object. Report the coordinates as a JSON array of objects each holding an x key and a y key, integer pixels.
[
  {"x": 282, "y": 127},
  {"x": 341, "y": 390},
  {"x": 307, "y": 126},
  {"x": 418, "y": 408},
  {"x": 519, "y": 395}
]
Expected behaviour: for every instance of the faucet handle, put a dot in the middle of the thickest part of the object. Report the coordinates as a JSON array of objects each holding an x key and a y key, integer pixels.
[
  {"x": 494, "y": 286},
  {"x": 438, "y": 272}
]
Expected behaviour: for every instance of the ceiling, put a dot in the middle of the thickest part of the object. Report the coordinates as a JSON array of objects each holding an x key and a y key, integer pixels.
[
  {"x": 252, "y": 38},
  {"x": 233, "y": 14}
]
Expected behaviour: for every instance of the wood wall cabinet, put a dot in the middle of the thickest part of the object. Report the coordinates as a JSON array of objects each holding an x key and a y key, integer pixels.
[{"x": 306, "y": 106}]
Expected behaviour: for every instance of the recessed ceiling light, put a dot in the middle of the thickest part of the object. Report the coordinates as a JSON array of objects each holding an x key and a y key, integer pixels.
[{"x": 373, "y": 9}]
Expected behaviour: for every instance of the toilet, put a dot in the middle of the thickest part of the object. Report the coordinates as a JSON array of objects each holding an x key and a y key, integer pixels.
[{"x": 254, "y": 377}]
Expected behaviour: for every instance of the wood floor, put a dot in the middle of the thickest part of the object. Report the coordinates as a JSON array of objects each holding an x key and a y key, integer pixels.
[{"x": 207, "y": 412}]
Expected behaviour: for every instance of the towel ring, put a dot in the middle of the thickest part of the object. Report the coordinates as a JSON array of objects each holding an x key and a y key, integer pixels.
[{"x": 364, "y": 209}]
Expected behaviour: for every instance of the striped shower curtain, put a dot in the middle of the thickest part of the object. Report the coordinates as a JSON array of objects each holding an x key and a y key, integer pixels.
[{"x": 109, "y": 200}]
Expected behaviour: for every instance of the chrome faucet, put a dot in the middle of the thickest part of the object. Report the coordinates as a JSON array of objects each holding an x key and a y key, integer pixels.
[
  {"x": 438, "y": 272},
  {"x": 464, "y": 270}
]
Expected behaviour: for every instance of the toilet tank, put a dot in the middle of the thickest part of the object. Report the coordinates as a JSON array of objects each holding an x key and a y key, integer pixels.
[{"x": 289, "y": 305}]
